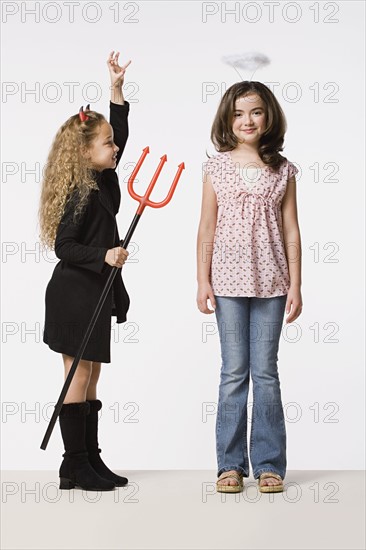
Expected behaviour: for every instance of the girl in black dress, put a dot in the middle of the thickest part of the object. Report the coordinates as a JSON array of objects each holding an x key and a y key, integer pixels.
[{"x": 80, "y": 198}]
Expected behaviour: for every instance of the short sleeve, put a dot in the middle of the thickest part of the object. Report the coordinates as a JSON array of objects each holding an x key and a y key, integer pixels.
[
  {"x": 212, "y": 168},
  {"x": 292, "y": 170}
]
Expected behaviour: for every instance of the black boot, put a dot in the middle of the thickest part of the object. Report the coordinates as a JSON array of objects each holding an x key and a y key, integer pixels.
[
  {"x": 92, "y": 445},
  {"x": 76, "y": 468}
]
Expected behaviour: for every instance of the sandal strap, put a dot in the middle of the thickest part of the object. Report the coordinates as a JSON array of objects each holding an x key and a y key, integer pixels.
[
  {"x": 270, "y": 474},
  {"x": 225, "y": 475}
]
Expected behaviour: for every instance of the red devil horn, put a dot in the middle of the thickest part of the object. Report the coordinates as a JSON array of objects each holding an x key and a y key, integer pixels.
[{"x": 82, "y": 115}]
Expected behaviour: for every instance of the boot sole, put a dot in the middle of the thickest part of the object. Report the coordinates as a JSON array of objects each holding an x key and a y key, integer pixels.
[
  {"x": 66, "y": 483},
  {"x": 121, "y": 484}
]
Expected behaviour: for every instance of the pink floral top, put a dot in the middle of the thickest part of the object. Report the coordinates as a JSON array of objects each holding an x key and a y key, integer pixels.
[{"x": 248, "y": 251}]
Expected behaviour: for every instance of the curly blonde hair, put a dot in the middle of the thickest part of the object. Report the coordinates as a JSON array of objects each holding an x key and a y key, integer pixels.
[{"x": 67, "y": 170}]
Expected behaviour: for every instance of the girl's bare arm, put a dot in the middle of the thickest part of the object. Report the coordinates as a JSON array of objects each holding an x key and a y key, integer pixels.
[
  {"x": 205, "y": 240},
  {"x": 291, "y": 233}
]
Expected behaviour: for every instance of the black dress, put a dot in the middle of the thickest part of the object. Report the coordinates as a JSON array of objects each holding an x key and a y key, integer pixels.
[{"x": 79, "y": 277}]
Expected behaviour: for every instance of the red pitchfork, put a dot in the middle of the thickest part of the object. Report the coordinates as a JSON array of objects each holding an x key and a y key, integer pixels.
[{"x": 144, "y": 201}]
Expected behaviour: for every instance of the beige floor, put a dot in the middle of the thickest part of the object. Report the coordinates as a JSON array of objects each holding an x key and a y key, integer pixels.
[{"x": 181, "y": 510}]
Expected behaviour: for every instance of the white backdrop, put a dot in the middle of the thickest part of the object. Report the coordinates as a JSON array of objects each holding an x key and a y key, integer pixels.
[{"x": 160, "y": 390}]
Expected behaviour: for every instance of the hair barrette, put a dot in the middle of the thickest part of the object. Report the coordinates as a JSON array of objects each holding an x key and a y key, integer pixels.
[{"x": 82, "y": 114}]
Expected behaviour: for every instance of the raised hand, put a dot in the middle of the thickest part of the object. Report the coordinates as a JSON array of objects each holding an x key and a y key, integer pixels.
[{"x": 116, "y": 72}]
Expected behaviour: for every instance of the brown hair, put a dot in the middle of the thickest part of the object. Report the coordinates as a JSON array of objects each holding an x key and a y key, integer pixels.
[
  {"x": 271, "y": 141},
  {"x": 66, "y": 171}
]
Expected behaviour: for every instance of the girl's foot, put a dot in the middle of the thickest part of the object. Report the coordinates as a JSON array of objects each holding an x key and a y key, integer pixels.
[
  {"x": 230, "y": 482},
  {"x": 269, "y": 482}
]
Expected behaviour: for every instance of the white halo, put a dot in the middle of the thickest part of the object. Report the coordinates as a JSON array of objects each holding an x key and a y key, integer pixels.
[{"x": 249, "y": 61}]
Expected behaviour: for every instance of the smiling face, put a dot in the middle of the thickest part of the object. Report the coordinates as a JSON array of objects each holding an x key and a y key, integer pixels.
[
  {"x": 249, "y": 118},
  {"x": 103, "y": 151}
]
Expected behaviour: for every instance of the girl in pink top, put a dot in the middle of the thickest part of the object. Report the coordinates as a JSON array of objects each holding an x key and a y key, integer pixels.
[{"x": 249, "y": 267}]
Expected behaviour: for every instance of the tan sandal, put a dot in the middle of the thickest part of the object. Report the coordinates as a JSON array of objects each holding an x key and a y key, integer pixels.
[
  {"x": 230, "y": 488},
  {"x": 270, "y": 488}
]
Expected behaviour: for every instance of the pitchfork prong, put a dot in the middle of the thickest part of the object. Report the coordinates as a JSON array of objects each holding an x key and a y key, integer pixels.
[
  {"x": 144, "y": 200},
  {"x": 132, "y": 177},
  {"x": 171, "y": 190}
]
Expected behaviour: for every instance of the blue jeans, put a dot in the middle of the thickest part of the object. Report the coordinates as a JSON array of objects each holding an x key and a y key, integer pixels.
[{"x": 249, "y": 330}]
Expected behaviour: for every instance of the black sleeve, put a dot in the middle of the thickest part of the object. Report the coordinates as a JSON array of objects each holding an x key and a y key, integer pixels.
[
  {"x": 67, "y": 242},
  {"x": 119, "y": 123},
  {"x": 118, "y": 241},
  {"x": 118, "y": 119}
]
